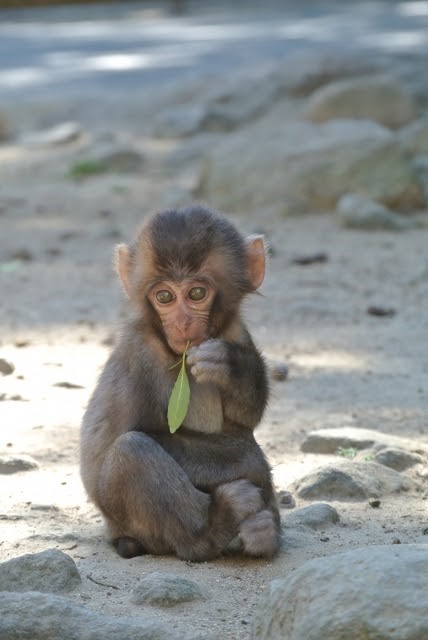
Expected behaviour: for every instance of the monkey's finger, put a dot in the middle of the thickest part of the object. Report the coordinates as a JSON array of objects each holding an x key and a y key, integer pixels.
[
  {"x": 217, "y": 373},
  {"x": 213, "y": 350}
]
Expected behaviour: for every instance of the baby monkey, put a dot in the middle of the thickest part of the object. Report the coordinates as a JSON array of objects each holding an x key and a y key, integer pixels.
[{"x": 207, "y": 486}]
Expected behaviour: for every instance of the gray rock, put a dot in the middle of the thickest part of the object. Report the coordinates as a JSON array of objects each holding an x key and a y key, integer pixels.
[
  {"x": 308, "y": 71},
  {"x": 190, "y": 151},
  {"x": 113, "y": 158},
  {"x": 42, "y": 616},
  {"x": 398, "y": 459},
  {"x": 236, "y": 103},
  {"x": 352, "y": 481},
  {"x": 47, "y": 571},
  {"x": 285, "y": 499},
  {"x": 296, "y": 537},
  {"x": 316, "y": 516},
  {"x": 420, "y": 168},
  {"x": 4, "y": 127},
  {"x": 179, "y": 122},
  {"x": 305, "y": 167},
  {"x": 6, "y": 367},
  {"x": 63, "y": 133},
  {"x": 375, "y": 593},
  {"x": 358, "y": 212},
  {"x": 330, "y": 440},
  {"x": 15, "y": 464},
  {"x": 120, "y": 159},
  {"x": 414, "y": 137},
  {"x": 165, "y": 590},
  {"x": 243, "y": 99},
  {"x": 369, "y": 98}
]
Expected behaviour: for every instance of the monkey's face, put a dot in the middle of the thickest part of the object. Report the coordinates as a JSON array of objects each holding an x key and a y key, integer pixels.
[{"x": 184, "y": 310}]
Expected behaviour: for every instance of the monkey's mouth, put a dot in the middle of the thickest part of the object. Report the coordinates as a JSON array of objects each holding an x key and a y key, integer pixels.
[{"x": 179, "y": 346}]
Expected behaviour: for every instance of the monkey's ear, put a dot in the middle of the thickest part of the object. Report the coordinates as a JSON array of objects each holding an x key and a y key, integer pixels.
[
  {"x": 123, "y": 266},
  {"x": 256, "y": 260}
]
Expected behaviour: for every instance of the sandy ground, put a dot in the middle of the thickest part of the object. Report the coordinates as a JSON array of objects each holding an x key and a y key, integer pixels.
[{"x": 61, "y": 302}]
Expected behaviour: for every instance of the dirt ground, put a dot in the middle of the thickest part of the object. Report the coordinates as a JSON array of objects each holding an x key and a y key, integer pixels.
[{"x": 60, "y": 304}]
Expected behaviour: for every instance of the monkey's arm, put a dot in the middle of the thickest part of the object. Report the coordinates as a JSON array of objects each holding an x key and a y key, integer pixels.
[{"x": 239, "y": 371}]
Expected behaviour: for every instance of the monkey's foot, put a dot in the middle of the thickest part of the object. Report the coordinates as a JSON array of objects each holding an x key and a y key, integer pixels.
[
  {"x": 260, "y": 535},
  {"x": 128, "y": 547},
  {"x": 242, "y": 497}
]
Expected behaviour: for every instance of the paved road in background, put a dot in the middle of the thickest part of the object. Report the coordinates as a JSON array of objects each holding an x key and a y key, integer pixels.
[{"x": 128, "y": 46}]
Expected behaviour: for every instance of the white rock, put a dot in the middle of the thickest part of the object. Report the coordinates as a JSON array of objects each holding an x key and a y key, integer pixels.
[
  {"x": 63, "y": 133},
  {"x": 301, "y": 166},
  {"x": 375, "y": 593},
  {"x": 369, "y": 98}
]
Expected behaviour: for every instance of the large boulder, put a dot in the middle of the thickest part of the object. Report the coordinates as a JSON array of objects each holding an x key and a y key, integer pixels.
[
  {"x": 47, "y": 571},
  {"x": 304, "y": 167},
  {"x": 367, "y": 98},
  {"x": 349, "y": 480},
  {"x": 42, "y": 616},
  {"x": 375, "y": 593}
]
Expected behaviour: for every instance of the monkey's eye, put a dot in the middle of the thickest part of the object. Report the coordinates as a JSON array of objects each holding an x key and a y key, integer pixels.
[
  {"x": 164, "y": 296},
  {"x": 197, "y": 293}
]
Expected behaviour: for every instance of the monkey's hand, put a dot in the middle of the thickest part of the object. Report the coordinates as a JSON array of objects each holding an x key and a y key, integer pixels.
[
  {"x": 209, "y": 362},
  {"x": 239, "y": 373}
]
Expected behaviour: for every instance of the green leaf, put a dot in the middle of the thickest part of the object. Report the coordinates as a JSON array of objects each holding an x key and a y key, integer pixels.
[{"x": 179, "y": 399}]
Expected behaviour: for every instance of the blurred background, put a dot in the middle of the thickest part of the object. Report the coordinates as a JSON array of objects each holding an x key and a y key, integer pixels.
[{"x": 306, "y": 121}]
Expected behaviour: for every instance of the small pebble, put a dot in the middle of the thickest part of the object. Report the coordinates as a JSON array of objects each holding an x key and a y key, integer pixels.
[
  {"x": 374, "y": 502},
  {"x": 286, "y": 500},
  {"x": 381, "y": 312},
  {"x": 314, "y": 258},
  {"x": 279, "y": 372},
  {"x": 21, "y": 342},
  {"x": 68, "y": 385},
  {"x": 22, "y": 254},
  {"x": 6, "y": 367}
]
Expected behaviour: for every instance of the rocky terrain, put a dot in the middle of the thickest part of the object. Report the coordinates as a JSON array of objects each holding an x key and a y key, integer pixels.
[{"x": 328, "y": 157}]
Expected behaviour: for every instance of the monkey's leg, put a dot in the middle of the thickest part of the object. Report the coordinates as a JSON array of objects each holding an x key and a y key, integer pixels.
[{"x": 150, "y": 503}]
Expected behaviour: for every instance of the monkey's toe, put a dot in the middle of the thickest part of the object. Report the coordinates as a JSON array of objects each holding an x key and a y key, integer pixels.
[{"x": 128, "y": 547}]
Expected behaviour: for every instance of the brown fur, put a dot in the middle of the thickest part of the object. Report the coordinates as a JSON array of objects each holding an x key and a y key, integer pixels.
[{"x": 194, "y": 492}]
